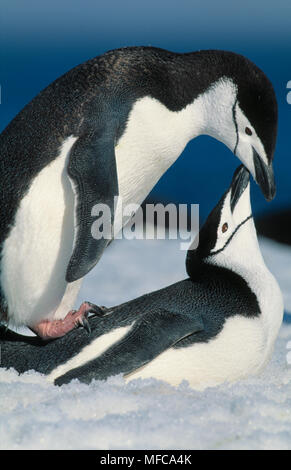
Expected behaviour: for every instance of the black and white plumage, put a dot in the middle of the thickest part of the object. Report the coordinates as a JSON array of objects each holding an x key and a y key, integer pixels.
[
  {"x": 218, "y": 325},
  {"x": 112, "y": 126}
]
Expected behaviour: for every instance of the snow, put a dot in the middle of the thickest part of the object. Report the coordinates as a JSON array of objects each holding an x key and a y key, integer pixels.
[{"x": 252, "y": 414}]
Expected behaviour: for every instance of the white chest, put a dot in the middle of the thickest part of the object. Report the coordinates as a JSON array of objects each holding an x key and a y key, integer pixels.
[
  {"x": 154, "y": 138},
  {"x": 36, "y": 253},
  {"x": 267, "y": 291},
  {"x": 243, "y": 256},
  {"x": 271, "y": 303}
]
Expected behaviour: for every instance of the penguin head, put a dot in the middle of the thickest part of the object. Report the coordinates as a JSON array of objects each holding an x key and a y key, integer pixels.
[
  {"x": 243, "y": 115},
  {"x": 229, "y": 232}
]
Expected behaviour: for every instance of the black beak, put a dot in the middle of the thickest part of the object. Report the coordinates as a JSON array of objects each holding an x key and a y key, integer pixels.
[
  {"x": 239, "y": 183},
  {"x": 264, "y": 177}
]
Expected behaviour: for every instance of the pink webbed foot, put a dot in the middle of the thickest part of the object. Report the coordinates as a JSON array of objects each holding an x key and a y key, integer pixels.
[{"x": 51, "y": 329}]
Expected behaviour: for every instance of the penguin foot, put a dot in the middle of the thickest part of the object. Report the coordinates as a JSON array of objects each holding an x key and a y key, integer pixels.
[
  {"x": 48, "y": 329},
  {"x": 51, "y": 329}
]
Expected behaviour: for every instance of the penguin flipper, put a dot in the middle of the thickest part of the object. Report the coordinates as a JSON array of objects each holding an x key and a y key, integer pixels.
[
  {"x": 92, "y": 170},
  {"x": 155, "y": 332}
]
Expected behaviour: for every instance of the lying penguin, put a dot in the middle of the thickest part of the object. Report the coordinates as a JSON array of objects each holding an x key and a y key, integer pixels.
[
  {"x": 218, "y": 325},
  {"x": 111, "y": 127}
]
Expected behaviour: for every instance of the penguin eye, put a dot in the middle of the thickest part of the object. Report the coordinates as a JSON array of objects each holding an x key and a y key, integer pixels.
[
  {"x": 224, "y": 228},
  {"x": 248, "y": 131}
]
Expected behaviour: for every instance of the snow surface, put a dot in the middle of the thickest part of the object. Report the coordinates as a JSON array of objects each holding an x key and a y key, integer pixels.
[{"x": 148, "y": 414}]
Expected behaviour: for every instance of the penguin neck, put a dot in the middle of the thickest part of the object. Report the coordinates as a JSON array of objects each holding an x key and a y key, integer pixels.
[
  {"x": 242, "y": 255},
  {"x": 211, "y": 114},
  {"x": 210, "y": 89},
  {"x": 216, "y": 107}
]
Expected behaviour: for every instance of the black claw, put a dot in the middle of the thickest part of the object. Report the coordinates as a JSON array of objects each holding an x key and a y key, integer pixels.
[
  {"x": 100, "y": 311},
  {"x": 86, "y": 325}
]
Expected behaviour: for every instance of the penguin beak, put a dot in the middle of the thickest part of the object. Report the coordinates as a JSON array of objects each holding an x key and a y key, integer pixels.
[
  {"x": 264, "y": 175},
  {"x": 239, "y": 183}
]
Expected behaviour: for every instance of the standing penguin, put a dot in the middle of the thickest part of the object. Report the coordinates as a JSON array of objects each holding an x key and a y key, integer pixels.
[
  {"x": 112, "y": 126},
  {"x": 218, "y": 325}
]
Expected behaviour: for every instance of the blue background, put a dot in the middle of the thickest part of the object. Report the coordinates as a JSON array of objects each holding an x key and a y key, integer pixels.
[{"x": 42, "y": 40}]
